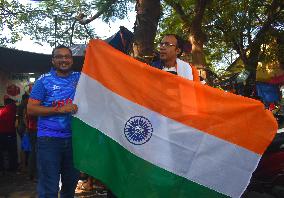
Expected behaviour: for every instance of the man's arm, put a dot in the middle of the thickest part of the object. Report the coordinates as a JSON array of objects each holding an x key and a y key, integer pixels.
[{"x": 34, "y": 108}]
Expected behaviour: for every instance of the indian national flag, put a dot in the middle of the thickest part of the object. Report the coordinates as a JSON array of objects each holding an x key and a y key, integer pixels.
[{"x": 147, "y": 133}]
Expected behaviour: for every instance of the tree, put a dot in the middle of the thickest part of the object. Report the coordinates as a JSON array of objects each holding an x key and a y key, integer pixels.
[
  {"x": 147, "y": 18},
  {"x": 65, "y": 21},
  {"x": 9, "y": 11},
  {"x": 145, "y": 28},
  {"x": 228, "y": 28},
  {"x": 56, "y": 21},
  {"x": 191, "y": 14},
  {"x": 245, "y": 27}
]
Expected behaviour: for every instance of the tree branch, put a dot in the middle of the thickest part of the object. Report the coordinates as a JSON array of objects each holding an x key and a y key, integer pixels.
[
  {"x": 81, "y": 17},
  {"x": 178, "y": 8},
  {"x": 276, "y": 7}
]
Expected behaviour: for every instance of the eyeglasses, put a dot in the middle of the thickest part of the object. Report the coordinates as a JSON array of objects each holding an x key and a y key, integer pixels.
[
  {"x": 62, "y": 57},
  {"x": 166, "y": 44}
]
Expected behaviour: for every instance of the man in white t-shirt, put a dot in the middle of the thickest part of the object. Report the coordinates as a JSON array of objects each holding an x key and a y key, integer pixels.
[{"x": 170, "y": 49}]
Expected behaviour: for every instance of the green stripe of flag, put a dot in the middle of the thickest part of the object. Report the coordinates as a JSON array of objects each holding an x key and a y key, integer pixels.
[{"x": 124, "y": 173}]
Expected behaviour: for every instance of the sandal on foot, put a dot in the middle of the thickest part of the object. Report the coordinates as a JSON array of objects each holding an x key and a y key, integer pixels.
[{"x": 84, "y": 187}]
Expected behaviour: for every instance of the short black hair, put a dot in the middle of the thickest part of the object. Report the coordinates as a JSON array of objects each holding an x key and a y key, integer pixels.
[
  {"x": 60, "y": 47},
  {"x": 180, "y": 42}
]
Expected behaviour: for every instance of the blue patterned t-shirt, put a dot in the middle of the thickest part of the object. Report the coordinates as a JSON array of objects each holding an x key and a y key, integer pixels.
[{"x": 53, "y": 90}]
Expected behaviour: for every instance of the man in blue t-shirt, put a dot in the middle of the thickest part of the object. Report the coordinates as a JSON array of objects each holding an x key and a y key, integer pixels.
[{"x": 51, "y": 99}]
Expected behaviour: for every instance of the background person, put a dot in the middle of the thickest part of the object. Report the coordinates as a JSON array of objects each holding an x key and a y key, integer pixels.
[
  {"x": 170, "y": 48},
  {"x": 31, "y": 127},
  {"x": 8, "y": 138},
  {"x": 21, "y": 130}
]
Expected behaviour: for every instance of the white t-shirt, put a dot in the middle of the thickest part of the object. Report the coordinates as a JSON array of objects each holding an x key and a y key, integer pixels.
[
  {"x": 171, "y": 69},
  {"x": 184, "y": 69}
]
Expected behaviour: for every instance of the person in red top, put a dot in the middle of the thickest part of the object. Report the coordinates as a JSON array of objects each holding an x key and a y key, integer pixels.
[
  {"x": 31, "y": 123},
  {"x": 8, "y": 140}
]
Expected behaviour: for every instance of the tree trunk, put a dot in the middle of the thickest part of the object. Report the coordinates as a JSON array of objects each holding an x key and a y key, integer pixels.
[
  {"x": 251, "y": 63},
  {"x": 198, "y": 57},
  {"x": 196, "y": 36},
  {"x": 147, "y": 18},
  {"x": 251, "y": 60}
]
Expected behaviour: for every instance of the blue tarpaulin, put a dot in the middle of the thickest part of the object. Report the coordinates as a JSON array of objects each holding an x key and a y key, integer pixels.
[
  {"x": 267, "y": 92},
  {"x": 122, "y": 40}
]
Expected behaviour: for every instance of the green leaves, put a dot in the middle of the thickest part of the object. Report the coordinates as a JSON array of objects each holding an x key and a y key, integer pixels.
[
  {"x": 54, "y": 20},
  {"x": 233, "y": 27}
]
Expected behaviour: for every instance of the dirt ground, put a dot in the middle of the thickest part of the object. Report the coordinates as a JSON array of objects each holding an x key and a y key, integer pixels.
[{"x": 14, "y": 185}]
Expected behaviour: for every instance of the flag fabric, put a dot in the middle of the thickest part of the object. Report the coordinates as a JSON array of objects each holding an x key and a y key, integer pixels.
[{"x": 147, "y": 133}]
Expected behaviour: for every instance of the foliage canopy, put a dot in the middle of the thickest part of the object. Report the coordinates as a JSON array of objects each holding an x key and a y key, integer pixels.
[
  {"x": 56, "y": 20},
  {"x": 232, "y": 27}
]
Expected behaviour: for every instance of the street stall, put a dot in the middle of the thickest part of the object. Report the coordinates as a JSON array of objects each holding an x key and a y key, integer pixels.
[{"x": 20, "y": 68}]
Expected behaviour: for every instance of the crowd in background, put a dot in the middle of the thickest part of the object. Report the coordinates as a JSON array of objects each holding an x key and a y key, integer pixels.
[{"x": 17, "y": 138}]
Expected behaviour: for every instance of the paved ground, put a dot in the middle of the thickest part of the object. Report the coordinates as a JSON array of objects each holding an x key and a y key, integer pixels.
[{"x": 14, "y": 185}]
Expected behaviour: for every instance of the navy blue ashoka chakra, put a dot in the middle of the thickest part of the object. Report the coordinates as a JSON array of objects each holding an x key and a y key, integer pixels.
[{"x": 138, "y": 130}]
